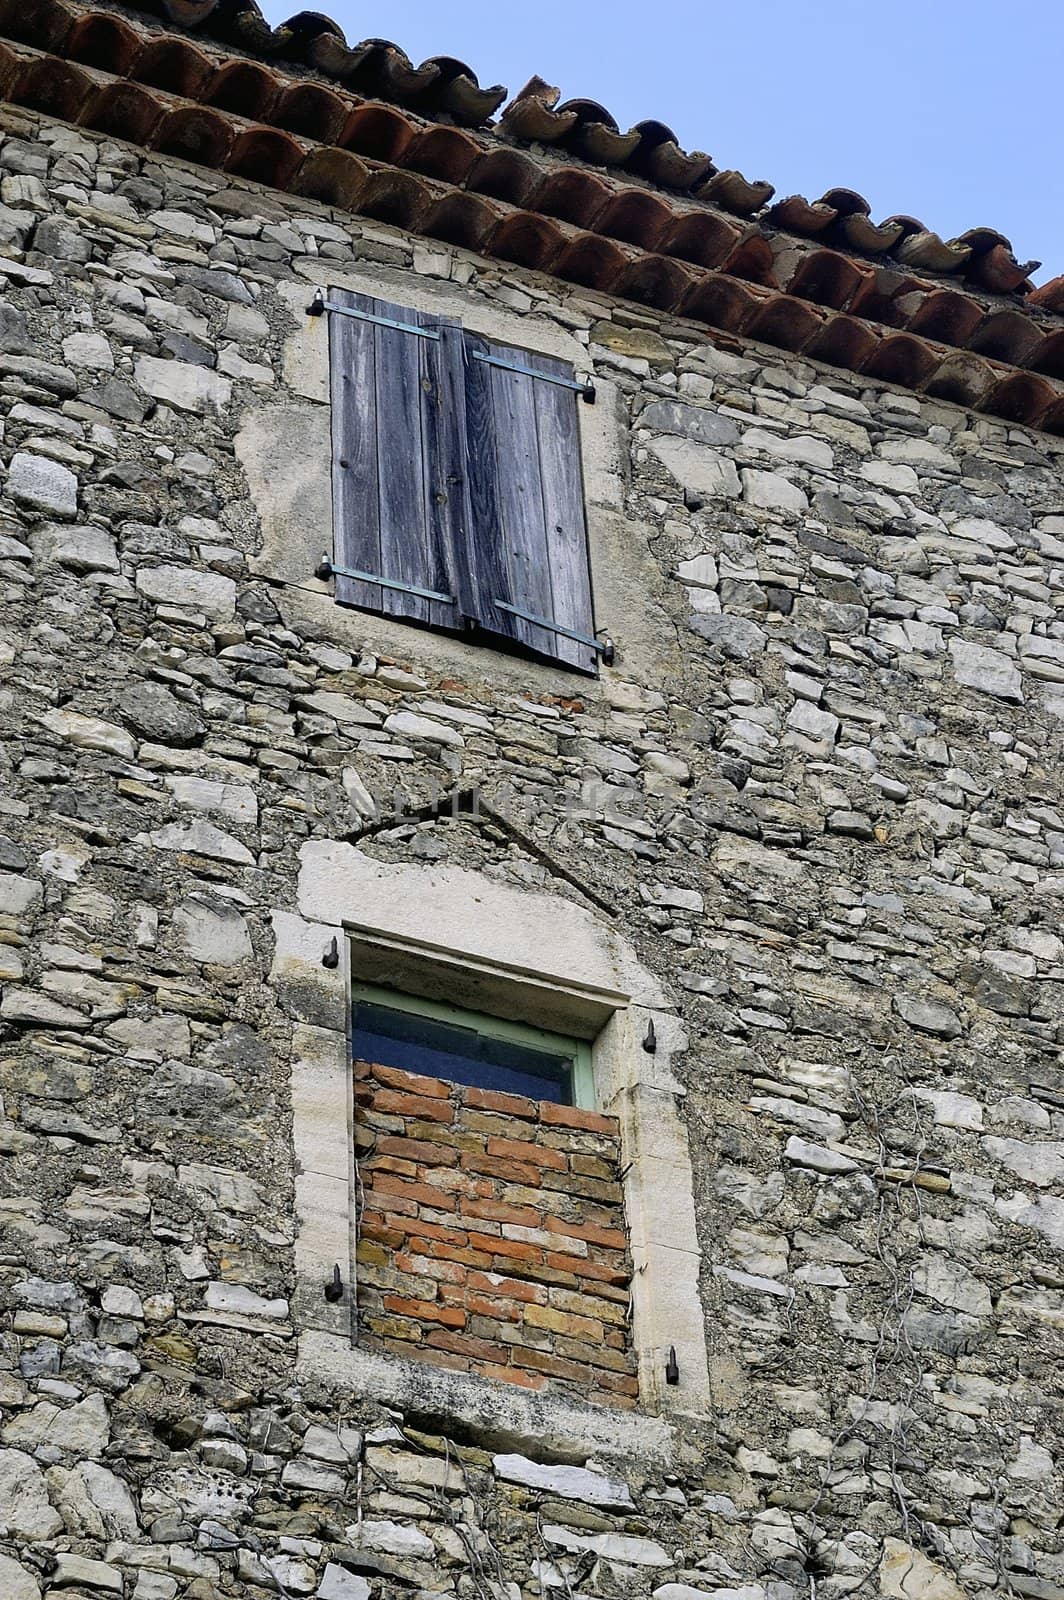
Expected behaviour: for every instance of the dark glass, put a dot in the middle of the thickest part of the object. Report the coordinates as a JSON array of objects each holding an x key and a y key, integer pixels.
[{"x": 413, "y": 1043}]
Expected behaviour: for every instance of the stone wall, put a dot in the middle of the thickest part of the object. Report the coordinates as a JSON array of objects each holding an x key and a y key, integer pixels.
[{"x": 820, "y": 792}]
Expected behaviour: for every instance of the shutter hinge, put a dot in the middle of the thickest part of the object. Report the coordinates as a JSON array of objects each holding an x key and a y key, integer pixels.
[
  {"x": 319, "y": 305},
  {"x": 583, "y": 386},
  {"x": 602, "y": 647},
  {"x": 327, "y": 569}
]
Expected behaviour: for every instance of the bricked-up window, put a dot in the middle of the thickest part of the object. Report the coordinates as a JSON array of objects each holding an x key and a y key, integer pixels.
[
  {"x": 469, "y": 1047},
  {"x": 491, "y": 1229}
]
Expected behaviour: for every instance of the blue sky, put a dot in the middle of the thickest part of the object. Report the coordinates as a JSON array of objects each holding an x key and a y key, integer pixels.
[{"x": 945, "y": 110}]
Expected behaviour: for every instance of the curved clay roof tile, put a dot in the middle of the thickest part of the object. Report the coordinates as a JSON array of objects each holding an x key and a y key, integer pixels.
[
  {"x": 998, "y": 270},
  {"x": 827, "y": 278},
  {"x": 529, "y": 239},
  {"x": 46, "y": 24},
  {"x": 378, "y": 131},
  {"x": 464, "y": 219},
  {"x": 902, "y": 359},
  {"x": 658, "y": 281},
  {"x": 701, "y": 237},
  {"x": 869, "y": 237},
  {"x": 377, "y": 66},
  {"x": 176, "y": 66},
  {"x": 847, "y": 202},
  {"x": 596, "y": 136},
  {"x": 245, "y": 88},
  {"x": 335, "y": 177},
  {"x": 456, "y": 91},
  {"x": 505, "y": 174},
  {"x": 724, "y": 302},
  {"x": 964, "y": 378},
  {"x": 194, "y": 134},
  {"x": 592, "y": 261},
  {"x": 797, "y": 215},
  {"x": 123, "y": 111},
  {"x": 947, "y": 316},
  {"x": 1008, "y": 336},
  {"x": 844, "y": 341},
  {"x": 1049, "y": 358},
  {"x": 1050, "y": 296},
  {"x": 312, "y": 110},
  {"x": 105, "y": 41},
  {"x": 1022, "y": 397},
  {"x": 58, "y": 88},
  {"x": 635, "y": 216},
  {"x": 928, "y": 251},
  {"x": 659, "y": 156},
  {"x": 1053, "y": 420},
  {"x": 442, "y": 152},
  {"x": 736, "y": 193},
  {"x": 574, "y": 195},
  {"x": 265, "y": 155},
  {"x": 786, "y": 323},
  {"x": 532, "y": 114}
]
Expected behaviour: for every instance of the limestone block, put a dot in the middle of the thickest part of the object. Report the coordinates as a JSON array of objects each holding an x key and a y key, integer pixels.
[
  {"x": 697, "y": 423},
  {"x": 16, "y": 1583},
  {"x": 906, "y": 1574},
  {"x": 209, "y": 592},
  {"x": 1040, "y": 1162},
  {"x": 182, "y": 385},
  {"x": 977, "y": 666},
  {"x": 567, "y": 1483},
  {"x": 82, "y": 549},
  {"x": 24, "y": 1497},
  {"x": 339, "y": 1584},
  {"x": 202, "y": 839},
  {"x": 42, "y": 485},
  {"x": 770, "y": 491},
  {"x": 698, "y": 469},
  {"x": 950, "y": 1284},
  {"x": 88, "y": 350},
  {"x": 209, "y": 930},
  {"x": 236, "y": 801},
  {"x": 928, "y": 1016},
  {"x": 89, "y": 733}
]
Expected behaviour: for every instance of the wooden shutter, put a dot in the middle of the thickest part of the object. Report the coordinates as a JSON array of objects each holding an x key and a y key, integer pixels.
[
  {"x": 398, "y": 459},
  {"x": 528, "y": 535}
]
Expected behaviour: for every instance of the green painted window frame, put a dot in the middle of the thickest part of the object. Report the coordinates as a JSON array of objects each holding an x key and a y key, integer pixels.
[{"x": 578, "y": 1051}]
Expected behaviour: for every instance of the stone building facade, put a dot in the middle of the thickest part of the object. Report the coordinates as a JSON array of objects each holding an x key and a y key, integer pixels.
[{"x": 777, "y": 1312}]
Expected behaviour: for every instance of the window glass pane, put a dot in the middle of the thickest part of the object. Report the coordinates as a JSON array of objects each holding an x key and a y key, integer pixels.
[{"x": 413, "y": 1042}]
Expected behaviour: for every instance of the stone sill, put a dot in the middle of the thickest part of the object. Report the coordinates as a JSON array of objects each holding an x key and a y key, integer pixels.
[{"x": 497, "y": 1416}]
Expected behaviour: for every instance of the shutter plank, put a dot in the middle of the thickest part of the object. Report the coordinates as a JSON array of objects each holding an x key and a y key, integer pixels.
[
  {"x": 522, "y": 527},
  {"x": 390, "y": 514},
  {"x": 356, "y": 497},
  {"x": 485, "y": 552},
  {"x": 561, "y": 473},
  {"x": 527, "y": 498},
  {"x": 405, "y": 552}
]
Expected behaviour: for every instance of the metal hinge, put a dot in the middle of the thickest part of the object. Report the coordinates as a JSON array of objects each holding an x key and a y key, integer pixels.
[
  {"x": 602, "y": 647},
  {"x": 319, "y": 305},
  {"x": 583, "y": 386},
  {"x": 326, "y": 569}
]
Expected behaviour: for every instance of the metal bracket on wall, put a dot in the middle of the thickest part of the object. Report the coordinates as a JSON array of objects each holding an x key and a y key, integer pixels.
[
  {"x": 325, "y": 570},
  {"x": 583, "y": 386},
  {"x": 319, "y": 305},
  {"x": 602, "y": 647}
]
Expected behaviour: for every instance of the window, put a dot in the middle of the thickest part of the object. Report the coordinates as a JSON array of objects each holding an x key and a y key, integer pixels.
[
  {"x": 467, "y": 1047},
  {"x": 458, "y": 495}
]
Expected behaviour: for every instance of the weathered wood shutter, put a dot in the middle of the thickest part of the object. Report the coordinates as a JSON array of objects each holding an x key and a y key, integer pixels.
[
  {"x": 527, "y": 536},
  {"x": 398, "y": 410}
]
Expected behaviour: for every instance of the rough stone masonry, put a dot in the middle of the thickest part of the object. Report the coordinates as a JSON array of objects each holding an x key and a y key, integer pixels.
[{"x": 820, "y": 791}]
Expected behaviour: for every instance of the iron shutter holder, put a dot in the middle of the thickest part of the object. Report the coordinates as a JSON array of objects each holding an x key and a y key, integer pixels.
[
  {"x": 602, "y": 647},
  {"x": 583, "y": 386},
  {"x": 319, "y": 305},
  {"x": 326, "y": 569}
]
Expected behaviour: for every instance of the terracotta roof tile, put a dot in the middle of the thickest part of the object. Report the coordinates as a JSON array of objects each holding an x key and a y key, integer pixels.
[{"x": 553, "y": 187}]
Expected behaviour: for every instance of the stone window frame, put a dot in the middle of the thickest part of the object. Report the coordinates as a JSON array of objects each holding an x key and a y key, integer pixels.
[{"x": 490, "y": 945}]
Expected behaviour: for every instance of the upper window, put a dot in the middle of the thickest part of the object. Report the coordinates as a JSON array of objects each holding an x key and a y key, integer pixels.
[
  {"x": 457, "y": 489},
  {"x": 468, "y": 1047}
]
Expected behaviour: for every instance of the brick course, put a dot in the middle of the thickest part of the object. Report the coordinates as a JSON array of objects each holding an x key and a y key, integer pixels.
[{"x": 492, "y": 1235}]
